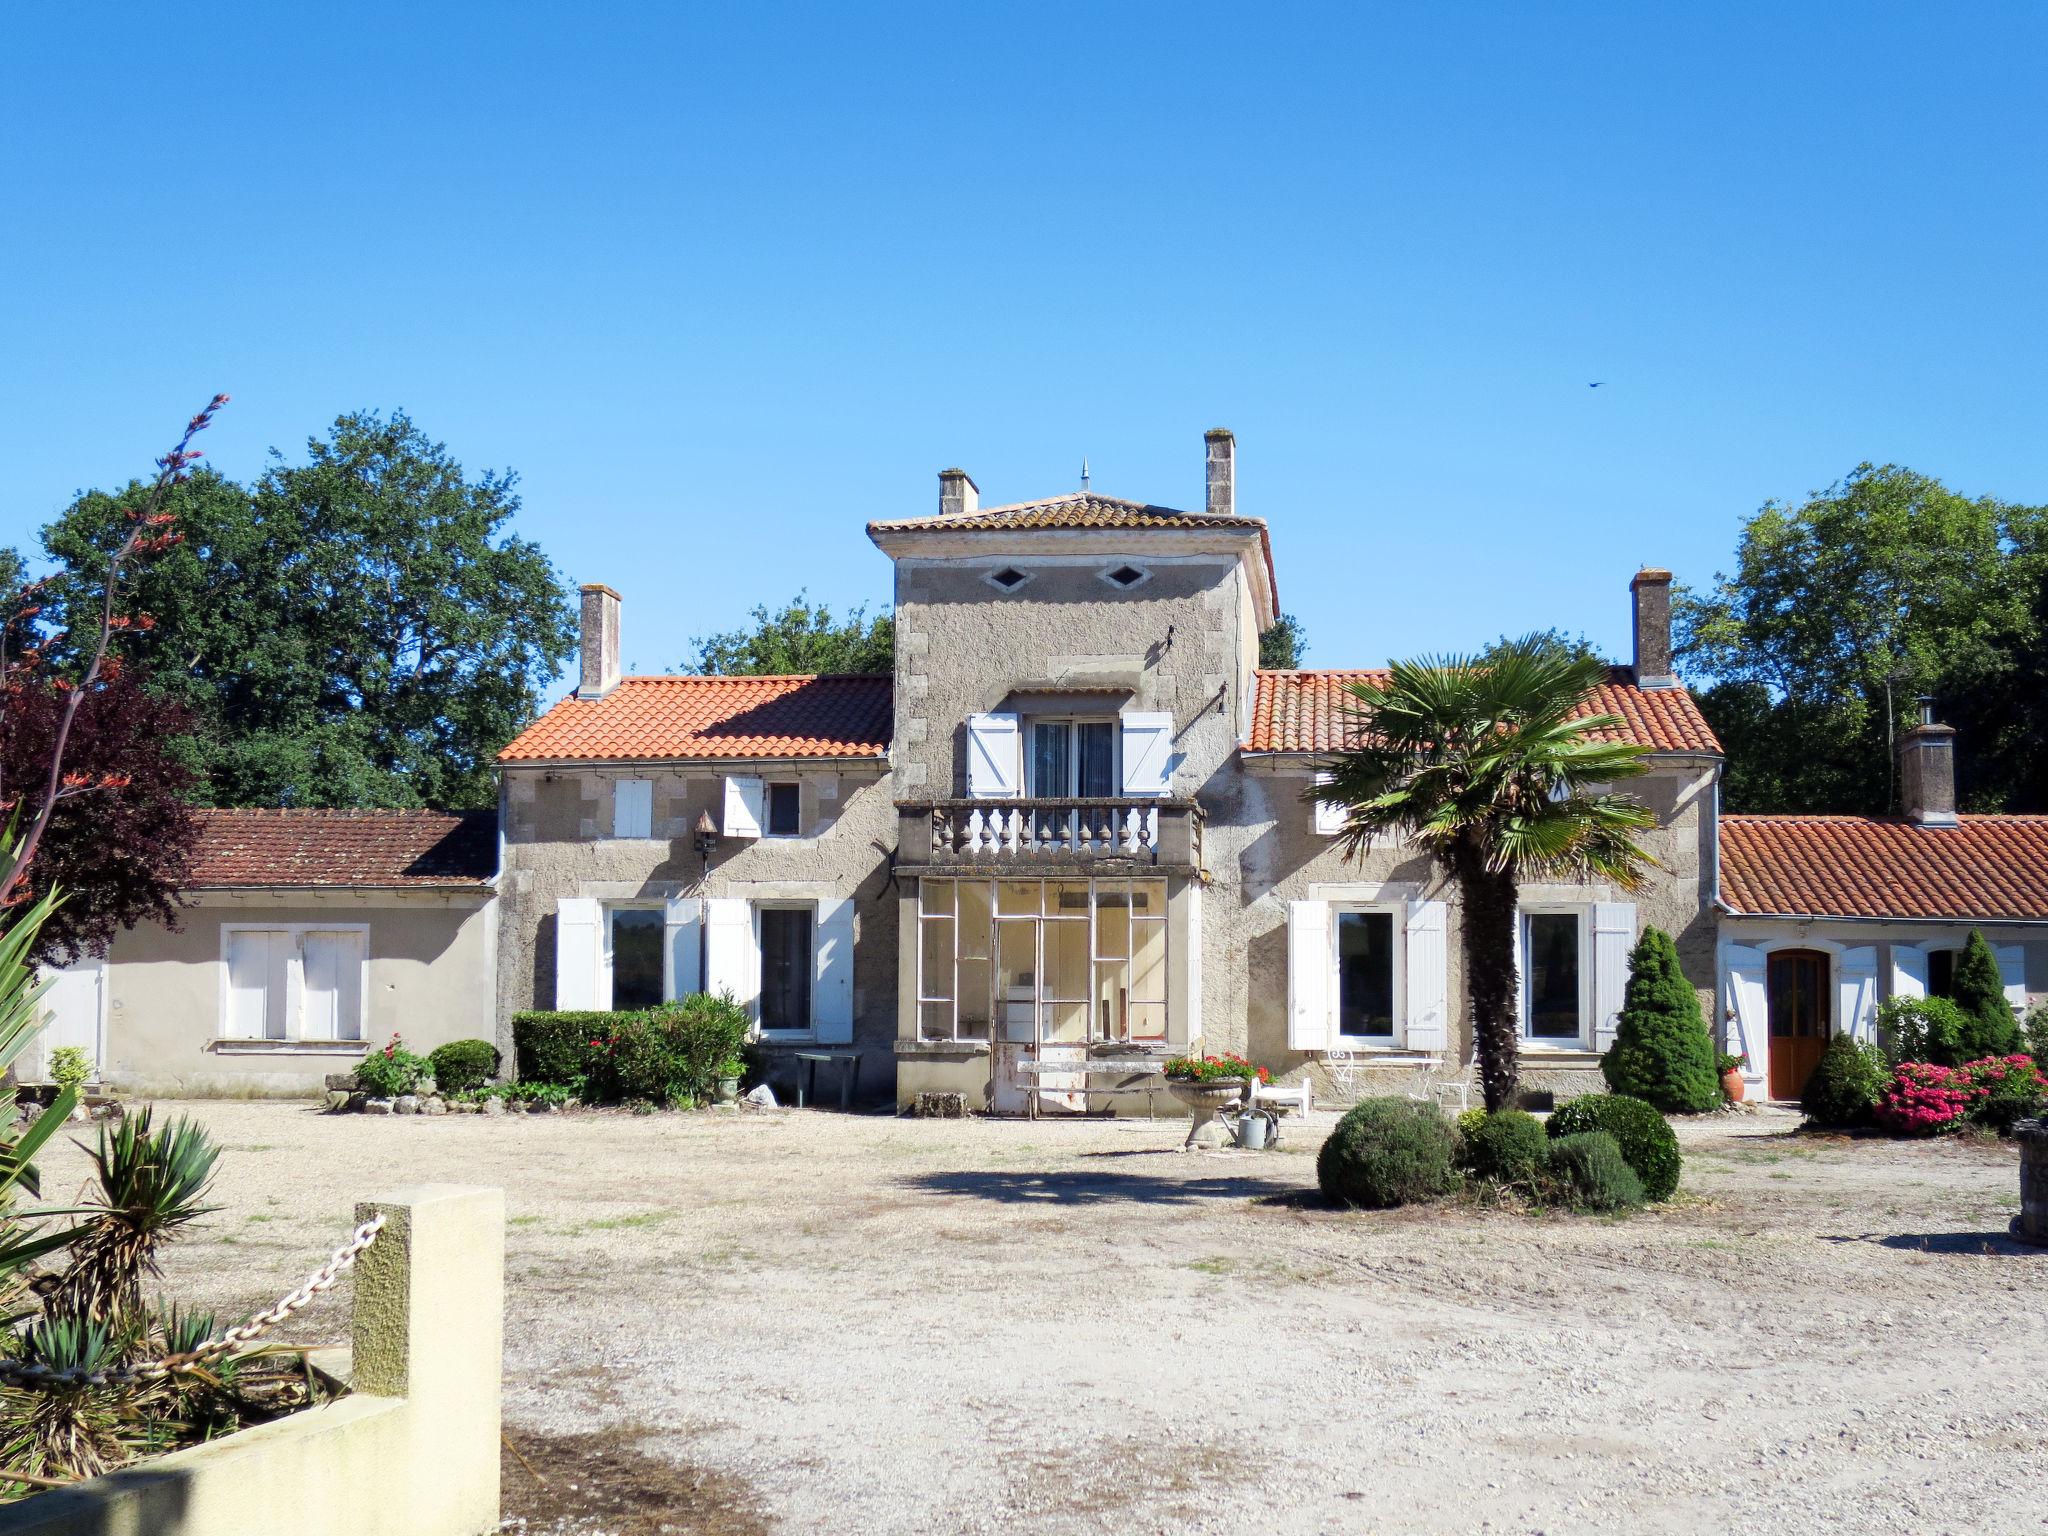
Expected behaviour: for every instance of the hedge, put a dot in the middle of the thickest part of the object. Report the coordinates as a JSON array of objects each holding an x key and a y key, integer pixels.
[{"x": 664, "y": 1055}]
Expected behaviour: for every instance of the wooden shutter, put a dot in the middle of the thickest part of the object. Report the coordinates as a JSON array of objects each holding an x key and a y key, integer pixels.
[
  {"x": 1311, "y": 965},
  {"x": 2012, "y": 970},
  {"x": 1427, "y": 1026},
  {"x": 579, "y": 953},
  {"x": 1614, "y": 934},
  {"x": 257, "y": 963},
  {"x": 1330, "y": 814},
  {"x": 633, "y": 808},
  {"x": 1148, "y": 754},
  {"x": 995, "y": 757},
  {"x": 832, "y": 984},
  {"x": 1909, "y": 970},
  {"x": 744, "y": 793},
  {"x": 331, "y": 998},
  {"x": 1856, "y": 991},
  {"x": 732, "y": 951},
  {"x": 1746, "y": 1004},
  {"x": 682, "y": 929}
]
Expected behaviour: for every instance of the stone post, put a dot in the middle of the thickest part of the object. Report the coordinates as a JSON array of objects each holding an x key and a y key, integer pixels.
[{"x": 2031, "y": 1225}]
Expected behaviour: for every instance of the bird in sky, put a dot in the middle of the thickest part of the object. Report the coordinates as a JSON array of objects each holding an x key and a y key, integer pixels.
[{"x": 1596, "y": 384}]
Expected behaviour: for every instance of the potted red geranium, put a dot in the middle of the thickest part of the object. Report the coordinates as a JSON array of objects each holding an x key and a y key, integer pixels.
[{"x": 1208, "y": 1085}]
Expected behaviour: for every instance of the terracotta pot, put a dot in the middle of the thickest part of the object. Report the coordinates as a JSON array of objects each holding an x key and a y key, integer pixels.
[
  {"x": 1206, "y": 1101},
  {"x": 1732, "y": 1085}
]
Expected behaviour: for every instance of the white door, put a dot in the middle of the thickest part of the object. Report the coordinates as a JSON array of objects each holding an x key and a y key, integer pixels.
[{"x": 71, "y": 1013}]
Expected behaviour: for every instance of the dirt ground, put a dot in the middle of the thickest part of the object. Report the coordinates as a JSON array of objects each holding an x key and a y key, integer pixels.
[{"x": 807, "y": 1321}]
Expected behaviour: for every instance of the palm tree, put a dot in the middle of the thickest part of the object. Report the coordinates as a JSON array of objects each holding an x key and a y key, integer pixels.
[{"x": 1488, "y": 765}]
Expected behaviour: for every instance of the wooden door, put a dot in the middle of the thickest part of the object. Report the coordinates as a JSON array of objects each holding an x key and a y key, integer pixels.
[{"x": 1800, "y": 1018}]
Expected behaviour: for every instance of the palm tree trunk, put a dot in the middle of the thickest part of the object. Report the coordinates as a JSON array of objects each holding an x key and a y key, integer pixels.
[{"x": 1487, "y": 931}]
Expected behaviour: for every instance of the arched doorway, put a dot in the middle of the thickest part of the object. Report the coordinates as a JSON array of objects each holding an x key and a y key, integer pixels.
[{"x": 1800, "y": 1018}]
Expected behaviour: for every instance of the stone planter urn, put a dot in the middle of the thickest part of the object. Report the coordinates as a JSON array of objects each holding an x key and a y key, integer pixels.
[
  {"x": 2031, "y": 1225},
  {"x": 1206, "y": 1101},
  {"x": 728, "y": 1090}
]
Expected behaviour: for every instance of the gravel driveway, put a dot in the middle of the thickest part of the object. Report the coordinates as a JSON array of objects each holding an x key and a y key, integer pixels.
[{"x": 808, "y": 1321}]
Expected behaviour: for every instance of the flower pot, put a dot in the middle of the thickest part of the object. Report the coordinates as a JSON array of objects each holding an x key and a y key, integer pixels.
[
  {"x": 1206, "y": 1101},
  {"x": 1732, "y": 1085}
]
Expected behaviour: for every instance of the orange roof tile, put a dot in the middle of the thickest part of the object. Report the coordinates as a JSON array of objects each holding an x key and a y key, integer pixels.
[
  {"x": 1985, "y": 868},
  {"x": 1307, "y": 712},
  {"x": 319, "y": 847},
  {"x": 658, "y": 718}
]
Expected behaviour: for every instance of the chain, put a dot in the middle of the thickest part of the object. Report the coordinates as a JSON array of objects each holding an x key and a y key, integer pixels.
[{"x": 26, "y": 1373}]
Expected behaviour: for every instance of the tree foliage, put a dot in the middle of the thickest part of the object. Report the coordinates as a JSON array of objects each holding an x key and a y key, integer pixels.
[
  {"x": 1662, "y": 1052},
  {"x": 1283, "y": 644},
  {"x": 358, "y": 629},
  {"x": 803, "y": 638},
  {"x": 1841, "y": 609},
  {"x": 1991, "y": 1028}
]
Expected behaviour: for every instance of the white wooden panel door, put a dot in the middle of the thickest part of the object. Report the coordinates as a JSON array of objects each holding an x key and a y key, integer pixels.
[
  {"x": 1746, "y": 1004},
  {"x": 1614, "y": 934},
  {"x": 259, "y": 962},
  {"x": 832, "y": 983},
  {"x": 1428, "y": 977},
  {"x": 331, "y": 1000},
  {"x": 72, "y": 1006},
  {"x": 1310, "y": 962},
  {"x": 579, "y": 953},
  {"x": 1856, "y": 992},
  {"x": 683, "y": 928},
  {"x": 995, "y": 757},
  {"x": 1148, "y": 754},
  {"x": 732, "y": 951},
  {"x": 2012, "y": 970}
]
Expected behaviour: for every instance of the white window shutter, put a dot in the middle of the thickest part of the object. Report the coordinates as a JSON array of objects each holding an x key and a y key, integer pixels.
[
  {"x": 2012, "y": 970},
  {"x": 579, "y": 952},
  {"x": 1428, "y": 977},
  {"x": 744, "y": 793},
  {"x": 1909, "y": 971},
  {"x": 732, "y": 951},
  {"x": 1330, "y": 814},
  {"x": 995, "y": 757},
  {"x": 683, "y": 927},
  {"x": 832, "y": 985},
  {"x": 1148, "y": 754},
  {"x": 1311, "y": 968},
  {"x": 331, "y": 1000},
  {"x": 1856, "y": 992},
  {"x": 1746, "y": 1001},
  {"x": 1614, "y": 935},
  {"x": 633, "y": 808},
  {"x": 256, "y": 961}
]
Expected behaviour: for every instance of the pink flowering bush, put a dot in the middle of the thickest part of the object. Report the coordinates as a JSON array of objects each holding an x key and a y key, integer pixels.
[
  {"x": 2005, "y": 1089},
  {"x": 1923, "y": 1099}
]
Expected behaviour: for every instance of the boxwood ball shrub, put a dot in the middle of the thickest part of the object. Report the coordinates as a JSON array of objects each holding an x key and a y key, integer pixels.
[
  {"x": 1507, "y": 1147},
  {"x": 1649, "y": 1145},
  {"x": 1662, "y": 1053},
  {"x": 461, "y": 1065},
  {"x": 1387, "y": 1152},
  {"x": 1592, "y": 1174},
  {"x": 1843, "y": 1089}
]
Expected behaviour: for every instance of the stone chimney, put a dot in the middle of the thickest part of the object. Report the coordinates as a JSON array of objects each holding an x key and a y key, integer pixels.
[
  {"x": 1651, "y": 592},
  {"x": 600, "y": 642},
  {"x": 958, "y": 494},
  {"x": 1927, "y": 771},
  {"x": 1222, "y": 466}
]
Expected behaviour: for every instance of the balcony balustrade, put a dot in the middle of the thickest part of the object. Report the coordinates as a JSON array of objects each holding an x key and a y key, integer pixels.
[{"x": 1061, "y": 832}]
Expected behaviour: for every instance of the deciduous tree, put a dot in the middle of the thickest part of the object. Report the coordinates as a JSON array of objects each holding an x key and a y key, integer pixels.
[{"x": 802, "y": 638}]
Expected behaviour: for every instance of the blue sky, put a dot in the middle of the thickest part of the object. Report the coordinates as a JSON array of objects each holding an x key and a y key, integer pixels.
[{"x": 722, "y": 283}]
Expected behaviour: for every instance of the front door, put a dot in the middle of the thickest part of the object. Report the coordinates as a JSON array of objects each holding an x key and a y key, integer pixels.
[
  {"x": 1800, "y": 1018},
  {"x": 71, "y": 1013}
]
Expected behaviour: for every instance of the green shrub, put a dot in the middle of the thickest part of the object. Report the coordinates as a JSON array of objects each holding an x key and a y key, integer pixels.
[
  {"x": 1921, "y": 1029},
  {"x": 1843, "y": 1089},
  {"x": 1662, "y": 1053},
  {"x": 2006, "y": 1089},
  {"x": 70, "y": 1067},
  {"x": 552, "y": 1047},
  {"x": 390, "y": 1072},
  {"x": 2036, "y": 1032},
  {"x": 1387, "y": 1152},
  {"x": 1649, "y": 1144},
  {"x": 463, "y": 1064},
  {"x": 663, "y": 1056},
  {"x": 1506, "y": 1147},
  {"x": 1990, "y": 1027},
  {"x": 1468, "y": 1121},
  {"x": 1593, "y": 1175}
]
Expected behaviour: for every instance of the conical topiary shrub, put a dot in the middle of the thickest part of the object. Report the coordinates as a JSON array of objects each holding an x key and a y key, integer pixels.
[
  {"x": 1662, "y": 1053},
  {"x": 1979, "y": 990}
]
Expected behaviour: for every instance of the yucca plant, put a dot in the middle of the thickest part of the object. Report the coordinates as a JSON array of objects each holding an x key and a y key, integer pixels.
[
  {"x": 1490, "y": 765},
  {"x": 150, "y": 1185},
  {"x": 73, "y": 1431}
]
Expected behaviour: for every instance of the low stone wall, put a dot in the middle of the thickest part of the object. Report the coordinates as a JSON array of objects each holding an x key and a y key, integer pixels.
[
  {"x": 2031, "y": 1225},
  {"x": 412, "y": 1451}
]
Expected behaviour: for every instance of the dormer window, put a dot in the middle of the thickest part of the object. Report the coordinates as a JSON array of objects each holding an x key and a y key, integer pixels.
[
  {"x": 1008, "y": 579},
  {"x": 1125, "y": 576}
]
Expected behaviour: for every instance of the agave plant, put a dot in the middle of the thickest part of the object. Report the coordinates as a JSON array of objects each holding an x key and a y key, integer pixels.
[{"x": 150, "y": 1185}]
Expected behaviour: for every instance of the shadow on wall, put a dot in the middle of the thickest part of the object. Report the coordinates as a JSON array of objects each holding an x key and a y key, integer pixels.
[
  {"x": 544, "y": 962},
  {"x": 1265, "y": 958},
  {"x": 1096, "y": 1188}
]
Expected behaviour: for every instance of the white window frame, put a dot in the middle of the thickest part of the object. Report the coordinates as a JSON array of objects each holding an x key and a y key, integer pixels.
[
  {"x": 1028, "y": 743},
  {"x": 1583, "y": 911},
  {"x": 625, "y": 818},
  {"x": 810, "y": 1030},
  {"x": 294, "y": 990},
  {"x": 768, "y": 788},
  {"x": 1398, "y": 1040},
  {"x": 659, "y": 909}
]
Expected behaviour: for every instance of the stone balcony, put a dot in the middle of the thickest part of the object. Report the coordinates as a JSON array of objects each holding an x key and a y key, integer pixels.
[{"x": 949, "y": 836}]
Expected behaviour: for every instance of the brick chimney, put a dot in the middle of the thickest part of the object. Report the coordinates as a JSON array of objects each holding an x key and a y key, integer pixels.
[
  {"x": 958, "y": 494},
  {"x": 1651, "y": 594},
  {"x": 1927, "y": 771},
  {"x": 600, "y": 642},
  {"x": 1221, "y": 454}
]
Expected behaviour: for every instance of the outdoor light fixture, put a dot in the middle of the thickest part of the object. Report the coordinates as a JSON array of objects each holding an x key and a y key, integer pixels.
[{"x": 707, "y": 835}]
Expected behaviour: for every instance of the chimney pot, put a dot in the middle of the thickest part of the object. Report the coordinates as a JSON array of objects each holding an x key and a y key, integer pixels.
[
  {"x": 1927, "y": 771},
  {"x": 1650, "y": 593},
  {"x": 958, "y": 494},
  {"x": 600, "y": 673},
  {"x": 1221, "y": 462}
]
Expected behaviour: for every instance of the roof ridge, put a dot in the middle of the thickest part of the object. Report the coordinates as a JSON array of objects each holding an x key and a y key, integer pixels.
[{"x": 756, "y": 677}]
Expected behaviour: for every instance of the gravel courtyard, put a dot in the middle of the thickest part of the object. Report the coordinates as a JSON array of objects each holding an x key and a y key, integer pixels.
[{"x": 807, "y": 1321}]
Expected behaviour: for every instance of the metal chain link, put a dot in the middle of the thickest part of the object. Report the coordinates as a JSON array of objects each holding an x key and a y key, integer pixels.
[{"x": 27, "y": 1373}]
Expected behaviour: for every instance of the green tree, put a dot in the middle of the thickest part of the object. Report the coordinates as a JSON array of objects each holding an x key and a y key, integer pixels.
[
  {"x": 1839, "y": 610},
  {"x": 1991, "y": 1027},
  {"x": 358, "y": 629},
  {"x": 1662, "y": 1052},
  {"x": 1486, "y": 769},
  {"x": 802, "y": 639},
  {"x": 1282, "y": 644}
]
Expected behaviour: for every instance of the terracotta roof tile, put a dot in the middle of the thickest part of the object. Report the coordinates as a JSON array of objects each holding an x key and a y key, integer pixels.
[
  {"x": 1307, "y": 712},
  {"x": 1986, "y": 868},
  {"x": 658, "y": 718},
  {"x": 345, "y": 848}
]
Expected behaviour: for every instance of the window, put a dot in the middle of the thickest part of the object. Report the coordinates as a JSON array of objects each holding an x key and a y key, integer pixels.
[
  {"x": 1125, "y": 576},
  {"x": 785, "y": 810},
  {"x": 1365, "y": 976},
  {"x": 633, "y": 808},
  {"x": 1941, "y": 972},
  {"x": 1550, "y": 962},
  {"x": 785, "y": 967},
  {"x": 1073, "y": 758},
  {"x": 294, "y": 982},
  {"x": 636, "y": 938},
  {"x": 1008, "y": 579}
]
